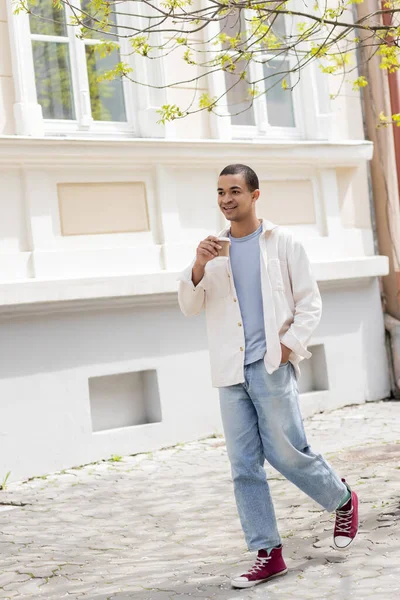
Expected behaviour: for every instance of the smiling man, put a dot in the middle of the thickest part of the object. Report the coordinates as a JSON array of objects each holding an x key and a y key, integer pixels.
[{"x": 262, "y": 306}]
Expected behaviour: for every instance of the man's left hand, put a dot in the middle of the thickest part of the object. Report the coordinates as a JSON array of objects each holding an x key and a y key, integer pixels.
[{"x": 285, "y": 353}]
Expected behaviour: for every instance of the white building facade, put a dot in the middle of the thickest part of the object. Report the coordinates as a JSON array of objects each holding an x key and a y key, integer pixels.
[{"x": 101, "y": 207}]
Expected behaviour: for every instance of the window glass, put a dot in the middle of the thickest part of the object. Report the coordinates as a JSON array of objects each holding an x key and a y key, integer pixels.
[
  {"x": 45, "y": 19},
  {"x": 98, "y": 22},
  {"x": 279, "y": 26},
  {"x": 279, "y": 101},
  {"x": 53, "y": 79},
  {"x": 240, "y": 106},
  {"x": 52, "y": 48},
  {"x": 106, "y": 97},
  {"x": 233, "y": 24},
  {"x": 276, "y": 67}
]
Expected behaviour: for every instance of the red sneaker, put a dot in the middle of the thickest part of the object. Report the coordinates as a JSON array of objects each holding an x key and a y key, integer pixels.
[
  {"x": 346, "y": 525},
  {"x": 266, "y": 567}
]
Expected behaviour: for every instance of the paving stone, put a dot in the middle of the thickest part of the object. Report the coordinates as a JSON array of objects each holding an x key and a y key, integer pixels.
[
  {"x": 8, "y": 577},
  {"x": 163, "y": 525}
]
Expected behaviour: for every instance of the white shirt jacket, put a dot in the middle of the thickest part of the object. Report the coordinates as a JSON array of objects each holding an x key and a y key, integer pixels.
[{"x": 291, "y": 301}]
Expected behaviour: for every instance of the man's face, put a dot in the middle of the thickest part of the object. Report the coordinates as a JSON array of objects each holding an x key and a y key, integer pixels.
[{"x": 234, "y": 198}]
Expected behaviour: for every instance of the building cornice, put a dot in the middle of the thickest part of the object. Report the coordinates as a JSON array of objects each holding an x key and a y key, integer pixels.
[
  {"x": 93, "y": 293},
  {"x": 37, "y": 152}
]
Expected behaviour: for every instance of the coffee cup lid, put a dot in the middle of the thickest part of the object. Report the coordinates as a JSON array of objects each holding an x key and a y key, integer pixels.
[{"x": 224, "y": 239}]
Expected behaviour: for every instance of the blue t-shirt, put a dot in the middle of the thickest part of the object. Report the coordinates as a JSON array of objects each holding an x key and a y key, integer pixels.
[{"x": 245, "y": 263}]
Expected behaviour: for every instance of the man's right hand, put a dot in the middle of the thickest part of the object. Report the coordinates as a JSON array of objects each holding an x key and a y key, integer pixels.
[{"x": 206, "y": 251}]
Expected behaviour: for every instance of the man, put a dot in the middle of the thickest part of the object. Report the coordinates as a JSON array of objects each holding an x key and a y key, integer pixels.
[{"x": 262, "y": 306}]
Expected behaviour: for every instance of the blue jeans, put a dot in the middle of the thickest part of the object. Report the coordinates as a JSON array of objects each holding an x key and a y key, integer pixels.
[{"x": 262, "y": 420}]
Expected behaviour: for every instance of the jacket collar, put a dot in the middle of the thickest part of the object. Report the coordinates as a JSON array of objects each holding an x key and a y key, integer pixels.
[{"x": 266, "y": 226}]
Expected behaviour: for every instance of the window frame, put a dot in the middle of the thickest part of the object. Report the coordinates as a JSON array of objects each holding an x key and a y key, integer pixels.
[
  {"x": 84, "y": 121},
  {"x": 262, "y": 128},
  {"x": 143, "y": 103},
  {"x": 296, "y": 132}
]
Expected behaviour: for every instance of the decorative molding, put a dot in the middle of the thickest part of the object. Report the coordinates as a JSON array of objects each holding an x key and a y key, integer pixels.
[
  {"x": 47, "y": 308},
  {"x": 39, "y": 152},
  {"x": 350, "y": 269},
  {"x": 36, "y": 296}
]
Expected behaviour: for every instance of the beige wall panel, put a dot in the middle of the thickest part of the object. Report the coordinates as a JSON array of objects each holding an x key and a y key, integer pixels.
[
  {"x": 196, "y": 126},
  {"x": 287, "y": 202},
  {"x": 3, "y": 10},
  {"x": 7, "y": 99},
  {"x": 96, "y": 208},
  {"x": 5, "y": 56},
  {"x": 354, "y": 197}
]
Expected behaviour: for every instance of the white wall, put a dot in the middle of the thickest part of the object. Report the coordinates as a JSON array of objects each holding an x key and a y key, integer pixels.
[
  {"x": 352, "y": 333},
  {"x": 46, "y": 362}
]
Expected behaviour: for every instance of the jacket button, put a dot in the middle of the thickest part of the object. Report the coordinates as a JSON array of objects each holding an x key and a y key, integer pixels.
[
  {"x": 241, "y": 349},
  {"x": 239, "y": 324},
  {"x": 235, "y": 300}
]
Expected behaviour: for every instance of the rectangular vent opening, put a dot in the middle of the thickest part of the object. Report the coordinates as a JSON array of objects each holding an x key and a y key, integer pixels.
[
  {"x": 124, "y": 400},
  {"x": 314, "y": 372}
]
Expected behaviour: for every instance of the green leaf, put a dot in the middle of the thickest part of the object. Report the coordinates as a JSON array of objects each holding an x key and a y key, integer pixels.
[
  {"x": 329, "y": 69},
  {"x": 116, "y": 458},
  {"x": 105, "y": 48},
  {"x": 19, "y": 6},
  {"x": 3, "y": 485},
  {"x": 173, "y": 4},
  {"x": 390, "y": 56},
  {"x": 169, "y": 112},
  {"x": 359, "y": 83},
  {"x": 253, "y": 92},
  {"x": 120, "y": 70},
  {"x": 187, "y": 57},
  {"x": 140, "y": 45},
  {"x": 205, "y": 101}
]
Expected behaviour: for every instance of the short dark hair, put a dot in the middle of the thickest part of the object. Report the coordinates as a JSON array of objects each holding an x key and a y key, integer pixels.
[{"x": 249, "y": 175}]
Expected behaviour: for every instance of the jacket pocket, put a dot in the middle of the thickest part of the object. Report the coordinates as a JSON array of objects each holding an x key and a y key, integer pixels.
[
  {"x": 275, "y": 274},
  {"x": 218, "y": 279}
]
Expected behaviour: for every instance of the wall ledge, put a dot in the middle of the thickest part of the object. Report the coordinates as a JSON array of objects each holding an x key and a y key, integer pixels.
[
  {"x": 32, "y": 296},
  {"x": 56, "y": 151}
]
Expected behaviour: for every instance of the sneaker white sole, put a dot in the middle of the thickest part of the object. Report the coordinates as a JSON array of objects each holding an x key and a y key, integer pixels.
[
  {"x": 348, "y": 545},
  {"x": 243, "y": 584}
]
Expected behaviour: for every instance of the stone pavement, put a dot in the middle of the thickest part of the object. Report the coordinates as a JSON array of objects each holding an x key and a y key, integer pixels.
[{"x": 163, "y": 526}]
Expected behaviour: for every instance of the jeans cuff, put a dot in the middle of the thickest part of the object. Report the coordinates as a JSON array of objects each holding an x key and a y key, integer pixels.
[
  {"x": 265, "y": 545},
  {"x": 333, "y": 506}
]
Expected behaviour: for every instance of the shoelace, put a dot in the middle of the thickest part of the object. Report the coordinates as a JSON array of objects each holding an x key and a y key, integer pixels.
[
  {"x": 343, "y": 523},
  {"x": 261, "y": 561}
]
